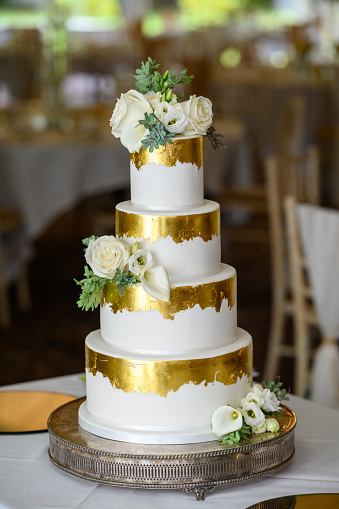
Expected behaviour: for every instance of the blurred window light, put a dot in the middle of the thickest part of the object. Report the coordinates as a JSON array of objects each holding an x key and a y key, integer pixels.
[
  {"x": 279, "y": 59},
  {"x": 196, "y": 14},
  {"x": 153, "y": 24},
  {"x": 230, "y": 57}
]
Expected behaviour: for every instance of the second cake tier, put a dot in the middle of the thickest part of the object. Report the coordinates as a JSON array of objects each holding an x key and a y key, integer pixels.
[
  {"x": 186, "y": 243},
  {"x": 202, "y": 314}
]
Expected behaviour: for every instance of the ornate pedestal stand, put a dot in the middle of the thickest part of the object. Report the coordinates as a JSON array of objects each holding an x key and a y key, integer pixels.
[{"x": 192, "y": 467}]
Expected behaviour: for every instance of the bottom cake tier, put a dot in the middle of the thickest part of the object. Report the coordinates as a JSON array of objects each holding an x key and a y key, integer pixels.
[{"x": 162, "y": 400}]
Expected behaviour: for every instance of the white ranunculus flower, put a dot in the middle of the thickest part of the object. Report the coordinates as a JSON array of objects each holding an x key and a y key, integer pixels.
[
  {"x": 253, "y": 415},
  {"x": 132, "y": 136},
  {"x": 257, "y": 389},
  {"x": 155, "y": 282},
  {"x": 161, "y": 110},
  {"x": 131, "y": 107},
  {"x": 226, "y": 419},
  {"x": 252, "y": 398},
  {"x": 139, "y": 261},
  {"x": 198, "y": 110},
  {"x": 106, "y": 254},
  {"x": 175, "y": 120},
  {"x": 259, "y": 429},
  {"x": 272, "y": 425},
  {"x": 153, "y": 98},
  {"x": 271, "y": 402}
]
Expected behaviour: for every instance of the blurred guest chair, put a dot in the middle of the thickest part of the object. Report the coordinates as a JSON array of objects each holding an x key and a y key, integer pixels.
[
  {"x": 10, "y": 223},
  {"x": 297, "y": 176},
  {"x": 275, "y": 127},
  {"x": 314, "y": 232}
]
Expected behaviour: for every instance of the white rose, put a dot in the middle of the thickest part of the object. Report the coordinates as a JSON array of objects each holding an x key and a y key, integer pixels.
[
  {"x": 253, "y": 415},
  {"x": 271, "y": 402},
  {"x": 198, "y": 110},
  {"x": 131, "y": 107},
  {"x": 140, "y": 261},
  {"x": 132, "y": 136},
  {"x": 175, "y": 120},
  {"x": 272, "y": 425},
  {"x": 153, "y": 98},
  {"x": 252, "y": 398},
  {"x": 259, "y": 429},
  {"x": 106, "y": 254}
]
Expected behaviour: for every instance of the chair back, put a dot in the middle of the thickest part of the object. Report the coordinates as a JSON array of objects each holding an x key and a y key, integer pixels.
[{"x": 293, "y": 175}]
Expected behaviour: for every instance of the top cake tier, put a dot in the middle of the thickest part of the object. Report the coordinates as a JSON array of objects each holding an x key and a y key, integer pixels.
[{"x": 170, "y": 178}]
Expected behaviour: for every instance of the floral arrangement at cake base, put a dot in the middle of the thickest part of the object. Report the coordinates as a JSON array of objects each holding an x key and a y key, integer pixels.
[
  {"x": 111, "y": 260},
  {"x": 258, "y": 413}
]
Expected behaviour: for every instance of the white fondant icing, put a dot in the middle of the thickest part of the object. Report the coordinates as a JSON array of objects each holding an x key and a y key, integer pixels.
[
  {"x": 191, "y": 330},
  {"x": 191, "y": 258},
  {"x": 136, "y": 435},
  {"x": 191, "y": 406},
  {"x": 156, "y": 186}
]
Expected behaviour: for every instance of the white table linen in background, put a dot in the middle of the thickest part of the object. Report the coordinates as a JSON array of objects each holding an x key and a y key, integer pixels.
[
  {"x": 43, "y": 182},
  {"x": 30, "y": 481},
  {"x": 319, "y": 228}
]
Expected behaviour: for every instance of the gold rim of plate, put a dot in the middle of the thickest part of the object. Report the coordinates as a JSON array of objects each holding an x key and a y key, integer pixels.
[
  {"x": 28, "y": 411},
  {"x": 193, "y": 467},
  {"x": 304, "y": 501}
]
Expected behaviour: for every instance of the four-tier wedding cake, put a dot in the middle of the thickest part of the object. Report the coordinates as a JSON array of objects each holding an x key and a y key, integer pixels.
[{"x": 169, "y": 352}]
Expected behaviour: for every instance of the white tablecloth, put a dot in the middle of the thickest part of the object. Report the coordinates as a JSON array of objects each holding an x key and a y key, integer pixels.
[
  {"x": 30, "y": 481},
  {"x": 44, "y": 181}
]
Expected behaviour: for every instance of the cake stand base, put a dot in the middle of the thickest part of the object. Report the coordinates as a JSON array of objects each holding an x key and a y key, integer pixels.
[{"x": 194, "y": 468}]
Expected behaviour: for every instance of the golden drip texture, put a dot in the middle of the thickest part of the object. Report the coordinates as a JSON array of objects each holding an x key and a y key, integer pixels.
[
  {"x": 180, "y": 228},
  {"x": 185, "y": 151},
  {"x": 209, "y": 295},
  {"x": 162, "y": 377}
]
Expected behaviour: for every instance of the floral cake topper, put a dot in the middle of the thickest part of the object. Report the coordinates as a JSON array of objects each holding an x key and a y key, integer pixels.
[
  {"x": 111, "y": 260},
  {"x": 154, "y": 116}
]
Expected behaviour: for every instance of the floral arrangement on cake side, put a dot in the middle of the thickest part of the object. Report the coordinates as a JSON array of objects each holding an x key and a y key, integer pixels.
[
  {"x": 258, "y": 413},
  {"x": 153, "y": 116},
  {"x": 111, "y": 260}
]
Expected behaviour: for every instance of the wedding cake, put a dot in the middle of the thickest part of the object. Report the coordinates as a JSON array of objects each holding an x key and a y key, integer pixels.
[{"x": 168, "y": 352}]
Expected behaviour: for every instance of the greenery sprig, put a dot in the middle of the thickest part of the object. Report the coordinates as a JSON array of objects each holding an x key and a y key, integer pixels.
[
  {"x": 213, "y": 137},
  {"x": 148, "y": 79},
  {"x": 123, "y": 281},
  {"x": 277, "y": 389},
  {"x": 158, "y": 134},
  {"x": 235, "y": 436},
  {"x": 91, "y": 287}
]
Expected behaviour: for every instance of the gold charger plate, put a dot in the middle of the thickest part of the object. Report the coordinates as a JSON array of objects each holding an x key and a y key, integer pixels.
[
  {"x": 313, "y": 501},
  {"x": 28, "y": 411}
]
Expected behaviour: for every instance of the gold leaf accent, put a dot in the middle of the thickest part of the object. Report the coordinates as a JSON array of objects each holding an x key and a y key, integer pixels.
[
  {"x": 180, "y": 227},
  {"x": 162, "y": 377},
  {"x": 188, "y": 150},
  {"x": 182, "y": 298}
]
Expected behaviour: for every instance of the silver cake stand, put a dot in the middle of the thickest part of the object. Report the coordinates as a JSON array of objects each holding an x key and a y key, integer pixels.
[{"x": 195, "y": 468}]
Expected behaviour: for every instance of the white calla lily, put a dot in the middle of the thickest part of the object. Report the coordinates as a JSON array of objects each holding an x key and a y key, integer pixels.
[
  {"x": 155, "y": 282},
  {"x": 226, "y": 419},
  {"x": 131, "y": 136}
]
